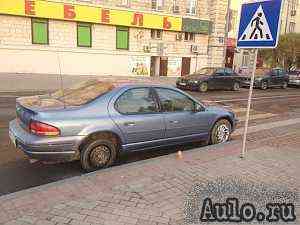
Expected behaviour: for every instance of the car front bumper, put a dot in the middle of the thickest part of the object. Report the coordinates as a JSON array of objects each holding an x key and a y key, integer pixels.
[
  {"x": 294, "y": 82},
  {"x": 44, "y": 148},
  {"x": 187, "y": 86}
]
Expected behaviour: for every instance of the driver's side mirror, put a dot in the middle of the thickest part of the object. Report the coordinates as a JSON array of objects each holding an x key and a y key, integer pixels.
[{"x": 198, "y": 108}]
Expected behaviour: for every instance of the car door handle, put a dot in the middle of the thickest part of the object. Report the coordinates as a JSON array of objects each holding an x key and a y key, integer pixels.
[
  {"x": 129, "y": 124},
  {"x": 174, "y": 121}
]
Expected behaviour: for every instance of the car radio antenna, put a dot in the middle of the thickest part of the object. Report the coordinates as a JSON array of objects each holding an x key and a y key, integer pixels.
[{"x": 61, "y": 81}]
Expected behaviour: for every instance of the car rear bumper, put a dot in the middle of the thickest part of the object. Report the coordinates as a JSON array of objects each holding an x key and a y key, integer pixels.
[{"x": 44, "y": 148}]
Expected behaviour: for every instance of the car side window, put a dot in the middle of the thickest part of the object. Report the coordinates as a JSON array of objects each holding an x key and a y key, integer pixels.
[
  {"x": 174, "y": 101},
  {"x": 137, "y": 101},
  {"x": 220, "y": 72},
  {"x": 228, "y": 72},
  {"x": 281, "y": 73}
]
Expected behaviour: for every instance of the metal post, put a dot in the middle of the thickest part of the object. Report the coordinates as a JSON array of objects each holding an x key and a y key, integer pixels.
[{"x": 249, "y": 106}]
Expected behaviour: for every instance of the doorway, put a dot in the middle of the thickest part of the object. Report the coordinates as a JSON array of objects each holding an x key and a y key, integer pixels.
[
  {"x": 186, "y": 66},
  {"x": 163, "y": 67}
]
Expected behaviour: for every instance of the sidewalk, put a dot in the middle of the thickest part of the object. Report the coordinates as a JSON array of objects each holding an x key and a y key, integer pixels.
[
  {"x": 50, "y": 82},
  {"x": 158, "y": 191}
]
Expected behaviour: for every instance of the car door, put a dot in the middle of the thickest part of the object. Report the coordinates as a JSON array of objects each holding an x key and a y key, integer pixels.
[
  {"x": 281, "y": 77},
  {"x": 218, "y": 78},
  {"x": 273, "y": 77},
  {"x": 180, "y": 117},
  {"x": 230, "y": 78},
  {"x": 138, "y": 117}
]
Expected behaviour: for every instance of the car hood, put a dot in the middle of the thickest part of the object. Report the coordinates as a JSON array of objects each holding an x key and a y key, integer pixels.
[{"x": 197, "y": 77}]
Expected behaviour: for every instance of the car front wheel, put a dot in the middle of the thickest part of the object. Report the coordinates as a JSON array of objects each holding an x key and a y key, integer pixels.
[
  {"x": 98, "y": 154},
  {"x": 264, "y": 85},
  {"x": 221, "y": 132},
  {"x": 203, "y": 87}
]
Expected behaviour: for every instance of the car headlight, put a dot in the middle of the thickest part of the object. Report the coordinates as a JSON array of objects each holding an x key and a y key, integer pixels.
[{"x": 258, "y": 79}]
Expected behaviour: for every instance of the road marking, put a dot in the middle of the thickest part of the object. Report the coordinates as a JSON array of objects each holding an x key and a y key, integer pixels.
[
  {"x": 267, "y": 126},
  {"x": 255, "y": 98},
  {"x": 257, "y": 116}
]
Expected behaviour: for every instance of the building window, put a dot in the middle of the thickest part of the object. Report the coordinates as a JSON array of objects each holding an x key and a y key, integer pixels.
[
  {"x": 156, "y": 34},
  {"x": 189, "y": 36},
  {"x": 125, "y": 3},
  {"x": 292, "y": 27},
  {"x": 157, "y": 5},
  {"x": 246, "y": 59},
  {"x": 84, "y": 35},
  {"x": 175, "y": 6},
  {"x": 122, "y": 40},
  {"x": 191, "y": 7},
  {"x": 40, "y": 31}
]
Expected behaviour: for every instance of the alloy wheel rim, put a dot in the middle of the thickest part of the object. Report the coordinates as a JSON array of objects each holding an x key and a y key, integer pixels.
[
  {"x": 223, "y": 133},
  {"x": 203, "y": 87},
  {"x": 236, "y": 86},
  {"x": 100, "y": 156}
]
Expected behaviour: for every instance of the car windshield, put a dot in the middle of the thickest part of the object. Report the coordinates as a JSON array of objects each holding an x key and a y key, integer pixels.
[{"x": 205, "y": 71}]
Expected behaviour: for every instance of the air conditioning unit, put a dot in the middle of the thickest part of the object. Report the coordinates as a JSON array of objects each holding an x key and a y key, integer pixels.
[
  {"x": 195, "y": 49},
  {"x": 179, "y": 36},
  {"x": 176, "y": 9}
]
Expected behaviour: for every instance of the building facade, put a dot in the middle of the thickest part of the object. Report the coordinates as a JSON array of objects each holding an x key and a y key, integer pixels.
[{"x": 111, "y": 37}]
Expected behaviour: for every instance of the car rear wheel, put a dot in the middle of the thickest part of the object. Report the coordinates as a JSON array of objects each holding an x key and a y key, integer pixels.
[
  {"x": 98, "y": 154},
  {"x": 264, "y": 85},
  {"x": 221, "y": 132},
  {"x": 203, "y": 87},
  {"x": 236, "y": 86},
  {"x": 284, "y": 85}
]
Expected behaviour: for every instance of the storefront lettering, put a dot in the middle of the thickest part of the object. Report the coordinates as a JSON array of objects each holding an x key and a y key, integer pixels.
[
  {"x": 138, "y": 19},
  {"x": 167, "y": 24},
  {"x": 29, "y": 7},
  {"x": 69, "y": 12},
  {"x": 105, "y": 16}
]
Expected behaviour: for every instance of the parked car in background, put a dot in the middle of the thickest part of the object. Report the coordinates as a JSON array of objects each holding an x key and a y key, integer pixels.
[
  {"x": 210, "y": 78},
  {"x": 294, "y": 78},
  {"x": 268, "y": 78},
  {"x": 95, "y": 124}
]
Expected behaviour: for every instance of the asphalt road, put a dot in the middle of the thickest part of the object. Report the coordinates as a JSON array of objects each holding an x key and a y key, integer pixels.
[{"x": 16, "y": 173}]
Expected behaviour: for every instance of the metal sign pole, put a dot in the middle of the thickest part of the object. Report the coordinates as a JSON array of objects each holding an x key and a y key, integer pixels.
[{"x": 249, "y": 106}]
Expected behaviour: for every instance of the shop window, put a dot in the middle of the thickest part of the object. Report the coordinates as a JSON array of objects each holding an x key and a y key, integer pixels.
[
  {"x": 189, "y": 36},
  {"x": 156, "y": 34},
  {"x": 122, "y": 41},
  {"x": 84, "y": 35},
  {"x": 40, "y": 31},
  {"x": 191, "y": 7},
  {"x": 157, "y": 5}
]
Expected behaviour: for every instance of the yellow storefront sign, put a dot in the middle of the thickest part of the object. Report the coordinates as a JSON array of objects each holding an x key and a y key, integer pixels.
[{"x": 87, "y": 13}]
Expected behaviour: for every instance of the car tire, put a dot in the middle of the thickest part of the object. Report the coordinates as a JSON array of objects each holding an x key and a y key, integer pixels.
[
  {"x": 236, "y": 86},
  {"x": 284, "y": 85},
  {"x": 221, "y": 132},
  {"x": 203, "y": 87},
  {"x": 98, "y": 154},
  {"x": 264, "y": 85}
]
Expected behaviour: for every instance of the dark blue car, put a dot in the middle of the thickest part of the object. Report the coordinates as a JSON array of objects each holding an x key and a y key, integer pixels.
[{"x": 127, "y": 118}]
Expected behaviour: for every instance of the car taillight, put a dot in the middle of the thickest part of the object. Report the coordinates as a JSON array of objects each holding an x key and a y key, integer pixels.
[{"x": 43, "y": 129}]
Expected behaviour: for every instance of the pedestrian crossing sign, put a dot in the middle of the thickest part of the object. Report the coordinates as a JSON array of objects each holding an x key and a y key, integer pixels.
[{"x": 259, "y": 24}]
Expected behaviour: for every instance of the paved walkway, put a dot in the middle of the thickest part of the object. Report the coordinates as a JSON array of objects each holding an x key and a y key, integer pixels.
[
  {"x": 164, "y": 190},
  {"x": 50, "y": 82}
]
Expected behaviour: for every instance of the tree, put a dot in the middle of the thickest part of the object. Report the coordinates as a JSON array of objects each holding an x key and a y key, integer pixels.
[{"x": 287, "y": 53}]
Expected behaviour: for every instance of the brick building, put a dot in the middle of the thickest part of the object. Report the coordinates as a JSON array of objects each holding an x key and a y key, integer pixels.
[{"x": 111, "y": 37}]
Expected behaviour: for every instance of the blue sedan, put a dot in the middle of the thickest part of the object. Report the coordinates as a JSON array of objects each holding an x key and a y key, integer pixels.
[{"x": 127, "y": 118}]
